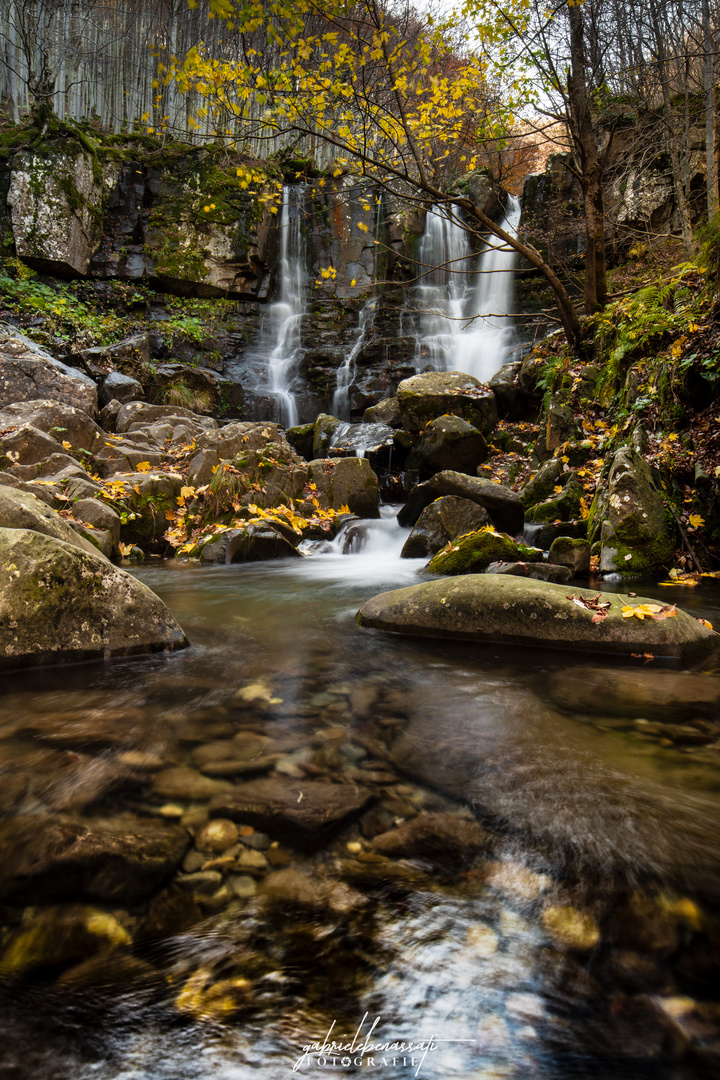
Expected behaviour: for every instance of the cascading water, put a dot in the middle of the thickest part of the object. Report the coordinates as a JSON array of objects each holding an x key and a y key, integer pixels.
[
  {"x": 346, "y": 371},
  {"x": 277, "y": 356},
  {"x": 465, "y": 326}
]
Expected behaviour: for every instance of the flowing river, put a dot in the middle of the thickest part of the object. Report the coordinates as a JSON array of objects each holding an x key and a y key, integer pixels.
[{"x": 578, "y": 938}]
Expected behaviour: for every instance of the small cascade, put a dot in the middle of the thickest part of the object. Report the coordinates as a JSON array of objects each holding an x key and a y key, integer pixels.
[
  {"x": 360, "y": 440},
  {"x": 346, "y": 371},
  {"x": 374, "y": 546},
  {"x": 273, "y": 363},
  {"x": 463, "y": 325}
]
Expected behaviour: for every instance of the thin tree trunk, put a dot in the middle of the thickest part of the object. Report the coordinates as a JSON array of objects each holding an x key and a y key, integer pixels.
[{"x": 713, "y": 202}]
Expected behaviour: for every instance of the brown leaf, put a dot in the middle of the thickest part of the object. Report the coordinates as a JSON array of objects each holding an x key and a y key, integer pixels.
[{"x": 599, "y": 616}]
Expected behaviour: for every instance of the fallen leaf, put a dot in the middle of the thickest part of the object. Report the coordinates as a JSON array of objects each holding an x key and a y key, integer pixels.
[{"x": 599, "y": 616}]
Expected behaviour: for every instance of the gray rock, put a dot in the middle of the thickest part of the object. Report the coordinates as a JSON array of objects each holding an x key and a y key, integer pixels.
[
  {"x": 21, "y": 510},
  {"x": 140, "y": 412},
  {"x": 444, "y": 519},
  {"x": 347, "y": 482},
  {"x": 241, "y": 436},
  {"x": 109, "y": 414},
  {"x": 659, "y": 694},
  {"x": 324, "y": 428},
  {"x": 448, "y": 442},
  {"x": 301, "y": 810},
  {"x": 437, "y": 393},
  {"x": 638, "y": 535},
  {"x": 119, "y": 387},
  {"x": 63, "y": 422},
  {"x": 100, "y": 515},
  {"x": 53, "y": 231},
  {"x": 254, "y": 543},
  {"x": 574, "y": 554},
  {"x": 27, "y": 445},
  {"x": 181, "y": 782},
  {"x": 564, "y": 506},
  {"x": 496, "y": 608},
  {"x": 59, "y": 604},
  {"x": 27, "y": 373},
  {"x": 511, "y": 402},
  {"x": 540, "y": 486},
  {"x": 502, "y": 504},
  {"x": 101, "y": 360},
  {"x": 386, "y": 411},
  {"x": 200, "y": 470},
  {"x": 119, "y": 860}
]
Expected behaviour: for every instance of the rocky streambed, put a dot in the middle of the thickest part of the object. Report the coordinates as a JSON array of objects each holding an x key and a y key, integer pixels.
[{"x": 213, "y": 856}]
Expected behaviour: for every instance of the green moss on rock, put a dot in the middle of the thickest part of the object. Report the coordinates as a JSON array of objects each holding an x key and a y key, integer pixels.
[{"x": 473, "y": 552}]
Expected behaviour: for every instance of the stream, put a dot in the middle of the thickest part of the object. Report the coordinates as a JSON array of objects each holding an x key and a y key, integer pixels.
[{"x": 580, "y": 939}]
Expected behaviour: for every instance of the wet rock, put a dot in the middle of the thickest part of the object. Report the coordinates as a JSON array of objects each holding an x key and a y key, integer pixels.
[
  {"x": 254, "y": 543},
  {"x": 22, "y": 511},
  {"x": 303, "y": 810},
  {"x": 243, "y": 886},
  {"x": 439, "y": 393},
  {"x": 120, "y": 860},
  {"x": 440, "y": 836},
  {"x": 291, "y": 887},
  {"x": 324, "y": 428},
  {"x": 28, "y": 373},
  {"x": 204, "y": 999},
  {"x": 511, "y": 402},
  {"x": 443, "y": 520},
  {"x": 516, "y": 880},
  {"x": 109, "y": 974},
  {"x": 59, "y": 935},
  {"x": 59, "y": 605},
  {"x": 251, "y": 860},
  {"x": 473, "y": 553},
  {"x": 202, "y": 882},
  {"x": 347, "y": 482},
  {"x": 497, "y": 608},
  {"x": 538, "y": 571},
  {"x": 646, "y": 923},
  {"x": 659, "y": 694},
  {"x": 481, "y": 940},
  {"x": 571, "y": 928},
  {"x": 448, "y": 442},
  {"x": 386, "y": 411},
  {"x": 169, "y": 913},
  {"x": 502, "y": 504},
  {"x": 181, "y": 782},
  {"x": 575, "y": 554},
  {"x": 216, "y": 836}
]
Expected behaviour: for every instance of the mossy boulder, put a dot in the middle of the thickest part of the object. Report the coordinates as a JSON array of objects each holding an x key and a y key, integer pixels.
[
  {"x": 301, "y": 439},
  {"x": 638, "y": 535},
  {"x": 150, "y": 496},
  {"x": 438, "y": 393},
  {"x": 472, "y": 553},
  {"x": 564, "y": 506},
  {"x": 324, "y": 428},
  {"x": 57, "y": 936},
  {"x": 22, "y": 510},
  {"x": 499, "y": 609},
  {"x": 570, "y": 552},
  {"x": 443, "y": 520},
  {"x": 502, "y": 504},
  {"x": 449, "y": 442},
  {"x": 60, "y": 605},
  {"x": 541, "y": 484}
]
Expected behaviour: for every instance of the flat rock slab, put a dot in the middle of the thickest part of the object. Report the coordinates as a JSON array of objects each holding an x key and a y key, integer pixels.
[
  {"x": 509, "y": 610},
  {"x": 120, "y": 860},
  {"x": 666, "y": 695},
  {"x": 303, "y": 810}
]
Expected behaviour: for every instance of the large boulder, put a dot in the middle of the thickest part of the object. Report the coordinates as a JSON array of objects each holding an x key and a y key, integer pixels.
[
  {"x": 502, "y": 504},
  {"x": 437, "y": 393},
  {"x": 27, "y": 372},
  {"x": 60, "y": 605},
  {"x": 21, "y": 510},
  {"x": 638, "y": 534},
  {"x": 448, "y": 442},
  {"x": 347, "y": 482},
  {"x": 507, "y": 609},
  {"x": 136, "y": 414},
  {"x": 56, "y": 201},
  {"x": 56, "y": 418},
  {"x": 443, "y": 520},
  {"x": 474, "y": 552}
]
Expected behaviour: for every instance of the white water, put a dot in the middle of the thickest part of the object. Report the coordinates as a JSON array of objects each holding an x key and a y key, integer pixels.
[
  {"x": 346, "y": 372},
  {"x": 465, "y": 325},
  {"x": 280, "y": 350}
]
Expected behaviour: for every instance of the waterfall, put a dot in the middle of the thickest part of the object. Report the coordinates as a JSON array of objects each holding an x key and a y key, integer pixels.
[
  {"x": 346, "y": 371},
  {"x": 281, "y": 350},
  {"x": 463, "y": 322}
]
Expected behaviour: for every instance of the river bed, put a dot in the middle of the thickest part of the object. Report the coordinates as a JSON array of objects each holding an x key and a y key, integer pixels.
[{"x": 578, "y": 937}]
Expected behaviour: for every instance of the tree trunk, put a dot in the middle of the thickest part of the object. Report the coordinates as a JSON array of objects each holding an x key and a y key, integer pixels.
[
  {"x": 713, "y": 204},
  {"x": 590, "y": 171}
]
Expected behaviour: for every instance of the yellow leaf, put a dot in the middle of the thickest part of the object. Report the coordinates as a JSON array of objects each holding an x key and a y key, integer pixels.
[
  {"x": 695, "y": 520},
  {"x": 67, "y": 445},
  {"x": 143, "y": 466}
]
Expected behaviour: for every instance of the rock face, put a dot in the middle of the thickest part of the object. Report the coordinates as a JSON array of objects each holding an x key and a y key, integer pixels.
[
  {"x": 495, "y": 608},
  {"x": 56, "y": 198},
  {"x": 438, "y": 393},
  {"x": 443, "y": 520},
  {"x": 637, "y": 534},
  {"x": 28, "y": 372},
  {"x": 118, "y": 860},
  {"x": 59, "y": 605},
  {"x": 302, "y": 810},
  {"x": 502, "y": 504}
]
